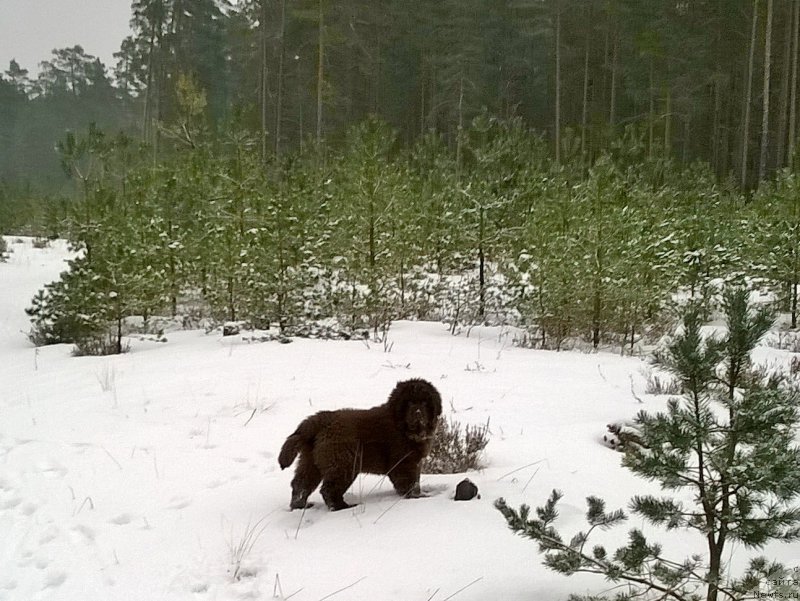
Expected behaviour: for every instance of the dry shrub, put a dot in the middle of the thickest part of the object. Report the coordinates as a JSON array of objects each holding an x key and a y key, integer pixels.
[{"x": 454, "y": 451}]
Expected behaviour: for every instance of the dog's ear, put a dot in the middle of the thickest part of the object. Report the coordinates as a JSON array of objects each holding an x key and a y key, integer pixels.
[
  {"x": 398, "y": 400},
  {"x": 436, "y": 402}
]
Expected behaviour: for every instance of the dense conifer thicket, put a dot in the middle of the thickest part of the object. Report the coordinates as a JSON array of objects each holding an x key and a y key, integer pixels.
[
  {"x": 563, "y": 166},
  {"x": 376, "y": 232}
]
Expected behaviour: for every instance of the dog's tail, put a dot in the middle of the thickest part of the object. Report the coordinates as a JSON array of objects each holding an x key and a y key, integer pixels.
[{"x": 304, "y": 435}]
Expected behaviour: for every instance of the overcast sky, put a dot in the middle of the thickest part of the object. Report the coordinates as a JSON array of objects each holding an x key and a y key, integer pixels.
[{"x": 31, "y": 29}]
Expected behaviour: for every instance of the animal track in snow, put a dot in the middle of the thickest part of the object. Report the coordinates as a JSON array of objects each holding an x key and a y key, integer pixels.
[
  {"x": 55, "y": 579},
  {"x": 87, "y": 533},
  {"x": 29, "y": 508},
  {"x": 122, "y": 519},
  {"x": 51, "y": 468},
  {"x": 11, "y": 503},
  {"x": 49, "y": 535},
  {"x": 179, "y": 502}
]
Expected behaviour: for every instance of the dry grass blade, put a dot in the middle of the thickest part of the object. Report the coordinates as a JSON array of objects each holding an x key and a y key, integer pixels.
[
  {"x": 328, "y": 596},
  {"x": 240, "y": 550}
]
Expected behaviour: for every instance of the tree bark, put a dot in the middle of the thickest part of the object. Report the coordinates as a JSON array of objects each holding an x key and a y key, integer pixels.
[
  {"x": 481, "y": 266},
  {"x": 612, "y": 114},
  {"x": 558, "y": 85},
  {"x": 460, "y": 124},
  {"x": 422, "y": 97},
  {"x": 762, "y": 163},
  {"x": 263, "y": 31},
  {"x": 652, "y": 110},
  {"x": 279, "y": 96},
  {"x": 585, "y": 111},
  {"x": 793, "y": 85},
  {"x": 783, "y": 109},
  {"x": 748, "y": 97},
  {"x": 320, "y": 70},
  {"x": 668, "y": 125}
]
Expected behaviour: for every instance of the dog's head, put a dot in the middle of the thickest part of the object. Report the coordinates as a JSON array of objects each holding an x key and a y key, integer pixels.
[{"x": 416, "y": 405}]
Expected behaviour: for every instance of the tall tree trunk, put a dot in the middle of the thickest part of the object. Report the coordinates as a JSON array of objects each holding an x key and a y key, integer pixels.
[
  {"x": 793, "y": 288},
  {"x": 687, "y": 128},
  {"x": 762, "y": 163},
  {"x": 460, "y": 125},
  {"x": 279, "y": 96},
  {"x": 148, "y": 90},
  {"x": 422, "y": 96},
  {"x": 299, "y": 102},
  {"x": 651, "y": 112},
  {"x": 558, "y": 84},
  {"x": 320, "y": 70},
  {"x": 668, "y": 125},
  {"x": 793, "y": 85},
  {"x": 612, "y": 113},
  {"x": 783, "y": 109},
  {"x": 481, "y": 266},
  {"x": 376, "y": 100},
  {"x": 585, "y": 110},
  {"x": 716, "y": 128},
  {"x": 263, "y": 28},
  {"x": 748, "y": 97}
]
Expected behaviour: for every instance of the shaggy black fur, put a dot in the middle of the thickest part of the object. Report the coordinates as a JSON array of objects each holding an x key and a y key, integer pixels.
[{"x": 336, "y": 446}]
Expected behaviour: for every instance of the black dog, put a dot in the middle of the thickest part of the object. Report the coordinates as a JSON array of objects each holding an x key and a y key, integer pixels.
[{"x": 336, "y": 446}]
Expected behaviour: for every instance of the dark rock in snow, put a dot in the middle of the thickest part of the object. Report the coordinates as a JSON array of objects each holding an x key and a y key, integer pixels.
[
  {"x": 466, "y": 490},
  {"x": 231, "y": 328}
]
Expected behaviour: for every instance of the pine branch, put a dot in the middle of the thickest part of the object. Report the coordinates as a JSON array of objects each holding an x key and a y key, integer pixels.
[{"x": 570, "y": 558}]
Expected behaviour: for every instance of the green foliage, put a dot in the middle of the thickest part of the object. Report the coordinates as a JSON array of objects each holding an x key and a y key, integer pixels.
[
  {"x": 377, "y": 234},
  {"x": 730, "y": 440}
]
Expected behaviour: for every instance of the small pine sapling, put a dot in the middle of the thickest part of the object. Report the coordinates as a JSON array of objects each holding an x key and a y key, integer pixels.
[{"x": 730, "y": 440}]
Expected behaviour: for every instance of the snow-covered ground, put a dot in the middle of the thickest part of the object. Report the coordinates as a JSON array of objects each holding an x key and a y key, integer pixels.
[{"x": 153, "y": 475}]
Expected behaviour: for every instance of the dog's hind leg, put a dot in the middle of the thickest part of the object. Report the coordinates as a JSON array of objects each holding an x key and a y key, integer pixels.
[
  {"x": 334, "y": 485},
  {"x": 306, "y": 479}
]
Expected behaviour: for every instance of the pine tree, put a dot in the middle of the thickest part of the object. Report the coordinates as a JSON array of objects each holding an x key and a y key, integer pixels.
[{"x": 730, "y": 440}]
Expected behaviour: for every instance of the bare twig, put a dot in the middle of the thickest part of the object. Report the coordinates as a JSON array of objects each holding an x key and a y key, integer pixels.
[
  {"x": 385, "y": 511},
  {"x": 112, "y": 457},
  {"x": 531, "y": 478},
  {"x": 300, "y": 523},
  {"x": 633, "y": 392},
  {"x": 91, "y": 505},
  {"x": 478, "y": 579},
  {"x": 342, "y": 589},
  {"x": 433, "y": 595},
  {"x": 519, "y": 469}
]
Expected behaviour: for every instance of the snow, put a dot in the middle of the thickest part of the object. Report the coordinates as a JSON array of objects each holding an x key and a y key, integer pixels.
[{"x": 153, "y": 475}]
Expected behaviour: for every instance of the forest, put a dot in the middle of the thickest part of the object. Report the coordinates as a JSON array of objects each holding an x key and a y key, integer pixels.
[{"x": 563, "y": 166}]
